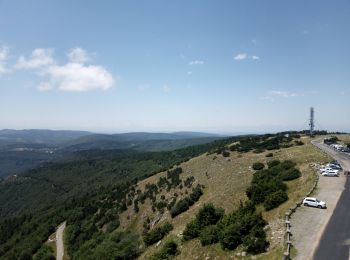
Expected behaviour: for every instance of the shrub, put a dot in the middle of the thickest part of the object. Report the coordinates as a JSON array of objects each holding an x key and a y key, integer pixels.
[
  {"x": 298, "y": 142},
  {"x": 44, "y": 253},
  {"x": 290, "y": 174},
  {"x": 209, "y": 235},
  {"x": 269, "y": 155},
  {"x": 273, "y": 163},
  {"x": 258, "y": 166},
  {"x": 184, "y": 204},
  {"x": 181, "y": 206},
  {"x": 255, "y": 242},
  {"x": 208, "y": 215},
  {"x": 239, "y": 224},
  {"x": 273, "y": 200},
  {"x": 191, "y": 231},
  {"x": 225, "y": 153},
  {"x": 157, "y": 234},
  {"x": 168, "y": 251}
]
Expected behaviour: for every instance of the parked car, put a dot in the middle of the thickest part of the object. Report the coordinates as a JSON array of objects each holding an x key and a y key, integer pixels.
[
  {"x": 313, "y": 202},
  {"x": 325, "y": 169},
  {"x": 332, "y": 173},
  {"x": 334, "y": 166}
]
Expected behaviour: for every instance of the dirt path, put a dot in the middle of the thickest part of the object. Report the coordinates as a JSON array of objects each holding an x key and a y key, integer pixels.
[
  {"x": 59, "y": 241},
  {"x": 309, "y": 223}
]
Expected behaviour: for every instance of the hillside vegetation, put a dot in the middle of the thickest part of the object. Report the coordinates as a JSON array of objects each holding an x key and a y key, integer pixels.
[
  {"x": 126, "y": 201},
  {"x": 21, "y": 150}
]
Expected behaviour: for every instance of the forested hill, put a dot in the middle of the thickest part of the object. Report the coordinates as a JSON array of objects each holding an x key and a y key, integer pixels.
[
  {"x": 24, "y": 149},
  {"x": 90, "y": 189}
]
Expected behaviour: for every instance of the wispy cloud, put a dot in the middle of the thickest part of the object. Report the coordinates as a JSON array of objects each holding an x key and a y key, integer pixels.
[
  {"x": 189, "y": 73},
  {"x": 4, "y": 53},
  {"x": 196, "y": 62},
  {"x": 284, "y": 94},
  {"x": 166, "y": 88},
  {"x": 75, "y": 75},
  {"x": 39, "y": 58},
  {"x": 245, "y": 56},
  {"x": 241, "y": 56},
  {"x": 274, "y": 94},
  {"x": 78, "y": 55}
]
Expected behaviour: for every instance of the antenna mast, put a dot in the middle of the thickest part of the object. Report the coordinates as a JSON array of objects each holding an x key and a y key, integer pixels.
[{"x": 311, "y": 123}]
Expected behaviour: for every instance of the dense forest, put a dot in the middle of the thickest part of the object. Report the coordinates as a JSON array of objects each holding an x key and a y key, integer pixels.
[{"x": 89, "y": 189}]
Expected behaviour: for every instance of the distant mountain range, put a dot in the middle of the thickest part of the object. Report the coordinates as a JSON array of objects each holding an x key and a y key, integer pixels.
[{"x": 23, "y": 149}]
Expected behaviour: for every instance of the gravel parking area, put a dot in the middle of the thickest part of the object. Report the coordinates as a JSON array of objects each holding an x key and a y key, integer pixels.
[{"x": 309, "y": 223}]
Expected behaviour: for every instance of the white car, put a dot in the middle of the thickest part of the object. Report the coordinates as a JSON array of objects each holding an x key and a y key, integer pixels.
[
  {"x": 325, "y": 169},
  {"x": 332, "y": 173},
  {"x": 313, "y": 202}
]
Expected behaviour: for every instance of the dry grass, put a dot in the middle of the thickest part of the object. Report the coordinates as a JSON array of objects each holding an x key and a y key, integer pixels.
[
  {"x": 226, "y": 180},
  {"x": 344, "y": 138}
]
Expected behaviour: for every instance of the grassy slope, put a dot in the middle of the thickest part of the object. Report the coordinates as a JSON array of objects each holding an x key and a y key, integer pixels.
[{"x": 226, "y": 180}]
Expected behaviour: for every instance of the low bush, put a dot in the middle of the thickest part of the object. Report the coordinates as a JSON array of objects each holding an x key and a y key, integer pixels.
[
  {"x": 290, "y": 174},
  {"x": 298, "y": 142},
  {"x": 209, "y": 235},
  {"x": 269, "y": 155},
  {"x": 191, "y": 231},
  {"x": 256, "y": 242},
  {"x": 157, "y": 234},
  {"x": 225, "y": 153},
  {"x": 208, "y": 215},
  {"x": 273, "y": 163},
  {"x": 273, "y": 200},
  {"x": 167, "y": 252},
  {"x": 184, "y": 204},
  {"x": 258, "y": 166},
  {"x": 237, "y": 226}
]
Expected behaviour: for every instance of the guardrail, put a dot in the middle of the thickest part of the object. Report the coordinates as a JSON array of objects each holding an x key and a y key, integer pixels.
[{"x": 288, "y": 214}]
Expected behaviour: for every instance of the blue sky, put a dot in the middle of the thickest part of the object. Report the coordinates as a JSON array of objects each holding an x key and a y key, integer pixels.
[{"x": 214, "y": 66}]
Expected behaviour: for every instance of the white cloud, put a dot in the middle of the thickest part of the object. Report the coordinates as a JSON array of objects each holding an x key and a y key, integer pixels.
[
  {"x": 78, "y": 55},
  {"x": 196, "y": 62},
  {"x": 4, "y": 53},
  {"x": 166, "y": 88},
  {"x": 38, "y": 59},
  {"x": 72, "y": 76},
  {"x": 241, "y": 56},
  {"x": 284, "y": 94},
  {"x": 78, "y": 77},
  {"x": 244, "y": 56}
]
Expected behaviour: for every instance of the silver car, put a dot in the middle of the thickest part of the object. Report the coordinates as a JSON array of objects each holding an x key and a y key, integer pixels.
[{"x": 313, "y": 202}]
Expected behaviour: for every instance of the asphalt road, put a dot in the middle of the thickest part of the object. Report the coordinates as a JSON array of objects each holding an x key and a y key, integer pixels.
[
  {"x": 59, "y": 241},
  {"x": 335, "y": 241}
]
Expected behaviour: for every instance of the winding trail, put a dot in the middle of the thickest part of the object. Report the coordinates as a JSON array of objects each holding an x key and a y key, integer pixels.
[{"x": 59, "y": 241}]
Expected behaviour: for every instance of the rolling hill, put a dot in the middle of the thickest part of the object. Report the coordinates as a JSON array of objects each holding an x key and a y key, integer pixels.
[
  {"x": 118, "y": 195},
  {"x": 24, "y": 149}
]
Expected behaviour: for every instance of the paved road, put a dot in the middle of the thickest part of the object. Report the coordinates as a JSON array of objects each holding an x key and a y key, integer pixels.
[
  {"x": 335, "y": 241},
  {"x": 59, "y": 241}
]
